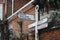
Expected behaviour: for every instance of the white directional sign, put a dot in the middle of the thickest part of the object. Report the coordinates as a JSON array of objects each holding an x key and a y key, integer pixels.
[
  {"x": 25, "y": 16},
  {"x": 40, "y": 26},
  {"x": 39, "y": 22}
]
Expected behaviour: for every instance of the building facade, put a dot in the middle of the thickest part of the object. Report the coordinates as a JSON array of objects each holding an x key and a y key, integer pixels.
[{"x": 20, "y": 27}]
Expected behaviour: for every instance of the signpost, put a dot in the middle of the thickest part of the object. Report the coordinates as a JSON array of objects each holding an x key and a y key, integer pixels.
[{"x": 36, "y": 19}]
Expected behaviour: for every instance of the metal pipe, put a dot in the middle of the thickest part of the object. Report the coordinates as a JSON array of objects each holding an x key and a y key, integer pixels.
[
  {"x": 12, "y": 6},
  {"x": 20, "y": 9}
]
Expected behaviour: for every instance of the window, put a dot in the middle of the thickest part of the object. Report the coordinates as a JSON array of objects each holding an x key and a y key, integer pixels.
[{"x": 1, "y": 11}]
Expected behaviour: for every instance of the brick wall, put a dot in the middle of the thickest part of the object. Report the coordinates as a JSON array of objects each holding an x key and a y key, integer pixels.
[
  {"x": 9, "y": 8},
  {"x": 19, "y": 3},
  {"x": 14, "y": 23},
  {"x": 50, "y": 35}
]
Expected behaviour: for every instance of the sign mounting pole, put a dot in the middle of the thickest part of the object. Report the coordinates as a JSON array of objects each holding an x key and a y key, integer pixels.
[{"x": 36, "y": 19}]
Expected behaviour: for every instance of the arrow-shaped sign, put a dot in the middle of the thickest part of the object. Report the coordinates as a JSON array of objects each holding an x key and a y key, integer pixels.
[
  {"x": 41, "y": 26},
  {"x": 26, "y": 16},
  {"x": 39, "y": 22}
]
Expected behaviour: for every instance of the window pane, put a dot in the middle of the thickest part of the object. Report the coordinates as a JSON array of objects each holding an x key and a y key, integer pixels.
[{"x": 1, "y": 11}]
